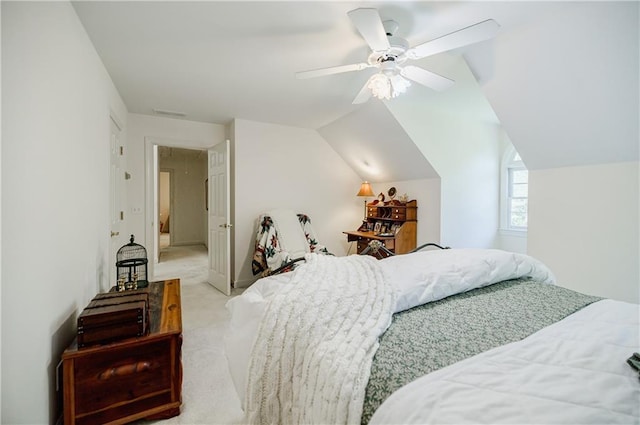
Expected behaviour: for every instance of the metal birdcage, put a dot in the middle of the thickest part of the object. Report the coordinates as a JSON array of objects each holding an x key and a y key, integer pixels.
[{"x": 131, "y": 262}]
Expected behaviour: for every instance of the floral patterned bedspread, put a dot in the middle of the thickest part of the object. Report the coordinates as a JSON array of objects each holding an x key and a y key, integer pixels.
[
  {"x": 268, "y": 254},
  {"x": 437, "y": 334}
]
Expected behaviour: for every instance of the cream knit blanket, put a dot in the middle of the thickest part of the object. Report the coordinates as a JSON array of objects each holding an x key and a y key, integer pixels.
[{"x": 312, "y": 356}]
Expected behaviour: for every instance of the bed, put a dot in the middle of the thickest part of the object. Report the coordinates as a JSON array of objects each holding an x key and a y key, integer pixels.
[{"x": 447, "y": 336}]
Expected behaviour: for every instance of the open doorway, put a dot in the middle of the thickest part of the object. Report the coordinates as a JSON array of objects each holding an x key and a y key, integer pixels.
[
  {"x": 217, "y": 256},
  {"x": 181, "y": 214}
]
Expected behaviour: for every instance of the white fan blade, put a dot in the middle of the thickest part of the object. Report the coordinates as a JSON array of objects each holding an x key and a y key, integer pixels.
[
  {"x": 426, "y": 78},
  {"x": 364, "y": 94},
  {"x": 469, "y": 35},
  {"x": 332, "y": 70},
  {"x": 369, "y": 24}
]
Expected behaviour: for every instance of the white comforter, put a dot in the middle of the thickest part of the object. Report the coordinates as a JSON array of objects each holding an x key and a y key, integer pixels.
[
  {"x": 312, "y": 359},
  {"x": 572, "y": 372},
  {"x": 428, "y": 276},
  {"x": 414, "y": 278}
]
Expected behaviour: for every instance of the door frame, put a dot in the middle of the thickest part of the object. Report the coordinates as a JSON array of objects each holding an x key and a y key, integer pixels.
[
  {"x": 170, "y": 171},
  {"x": 150, "y": 191},
  {"x": 116, "y": 194}
]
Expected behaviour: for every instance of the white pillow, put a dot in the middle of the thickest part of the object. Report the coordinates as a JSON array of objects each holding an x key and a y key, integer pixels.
[
  {"x": 426, "y": 276},
  {"x": 290, "y": 234}
]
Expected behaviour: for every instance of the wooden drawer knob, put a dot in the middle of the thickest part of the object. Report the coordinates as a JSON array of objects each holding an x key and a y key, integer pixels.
[{"x": 124, "y": 370}]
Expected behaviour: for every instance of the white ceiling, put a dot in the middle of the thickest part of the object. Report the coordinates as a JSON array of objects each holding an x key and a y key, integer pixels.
[{"x": 215, "y": 61}]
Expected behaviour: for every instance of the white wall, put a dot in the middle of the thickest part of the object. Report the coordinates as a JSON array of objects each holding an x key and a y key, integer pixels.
[
  {"x": 56, "y": 102},
  {"x": 512, "y": 241},
  {"x": 584, "y": 224},
  {"x": 457, "y": 131},
  {"x": 470, "y": 185},
  {"x": 143, "y": 130},
  {"x": 285, "y": 167},
  {"x": 465, "y": 154}
]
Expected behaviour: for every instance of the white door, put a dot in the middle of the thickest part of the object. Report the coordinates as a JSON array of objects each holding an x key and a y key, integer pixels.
[
  {"x": 116, "y": 205},
  {"x": 219, "y": 210}
]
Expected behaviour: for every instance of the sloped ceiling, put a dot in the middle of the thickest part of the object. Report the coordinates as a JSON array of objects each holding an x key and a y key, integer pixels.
[
  {"x": 562, "y": 77},
  {"x": 376, "y": 146},
  {"x": 566, "y": 86},
  {"x": 219, "y": 60}
]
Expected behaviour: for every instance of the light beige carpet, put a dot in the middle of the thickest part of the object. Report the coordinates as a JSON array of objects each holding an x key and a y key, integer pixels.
[{"x": 208, "y": 394}]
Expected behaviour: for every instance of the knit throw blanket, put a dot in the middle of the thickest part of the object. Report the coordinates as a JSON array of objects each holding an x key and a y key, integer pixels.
[{"x": 312, "y": 357}]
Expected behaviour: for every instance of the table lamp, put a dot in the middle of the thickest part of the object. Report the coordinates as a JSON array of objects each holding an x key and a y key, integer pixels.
[{"x": 365, "y": 191}]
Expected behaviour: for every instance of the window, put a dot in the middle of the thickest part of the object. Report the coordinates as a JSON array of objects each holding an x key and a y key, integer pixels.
[{"x": 515, "y": 192}]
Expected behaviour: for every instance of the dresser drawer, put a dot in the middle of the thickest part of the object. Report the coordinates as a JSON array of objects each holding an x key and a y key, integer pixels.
[
  {"x": 114, "y": 381},
  {"x": 399, "y": 214}
]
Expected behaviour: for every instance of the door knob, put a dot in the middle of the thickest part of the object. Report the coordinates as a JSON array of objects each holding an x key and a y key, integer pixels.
[
  {"x": 114, "y": 233},
  {"x": 225, "y": 225}
]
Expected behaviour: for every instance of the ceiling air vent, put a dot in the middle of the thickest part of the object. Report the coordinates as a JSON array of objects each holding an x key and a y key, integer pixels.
[{"x": 169, "y": 113}]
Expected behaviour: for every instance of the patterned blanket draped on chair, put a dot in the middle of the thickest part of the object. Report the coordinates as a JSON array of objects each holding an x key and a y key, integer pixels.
[{"x": 270, "y": 251}]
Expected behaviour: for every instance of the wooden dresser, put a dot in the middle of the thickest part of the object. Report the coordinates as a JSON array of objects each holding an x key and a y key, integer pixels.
[
  {"x": 129, "y": 379},
  {"x": 392, "y": 223}
]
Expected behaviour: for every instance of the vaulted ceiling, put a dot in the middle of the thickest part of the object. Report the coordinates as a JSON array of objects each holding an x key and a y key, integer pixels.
[
  {"x": 218, "y": 60},
  {"x": 560, "y": 76}
]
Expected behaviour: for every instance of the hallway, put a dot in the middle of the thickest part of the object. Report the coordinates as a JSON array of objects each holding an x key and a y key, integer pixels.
[{"x": 188, "y": 262}]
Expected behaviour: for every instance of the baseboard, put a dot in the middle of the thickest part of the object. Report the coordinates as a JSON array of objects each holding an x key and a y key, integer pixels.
[
  {"x": 244, "y": 283},
  {"x": 186, "y": 243}
]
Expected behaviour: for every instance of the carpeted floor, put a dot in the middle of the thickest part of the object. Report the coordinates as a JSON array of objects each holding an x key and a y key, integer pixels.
[{"x": 208, "y": 394}]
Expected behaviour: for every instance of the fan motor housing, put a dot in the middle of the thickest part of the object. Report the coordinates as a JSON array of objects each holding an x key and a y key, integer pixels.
[{"x": 395, "y": 54}]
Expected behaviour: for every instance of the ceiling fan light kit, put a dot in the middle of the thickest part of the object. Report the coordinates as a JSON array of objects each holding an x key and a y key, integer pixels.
[
  {"x": 385, "y": 86},
  {"x": 389, "y": 54}
]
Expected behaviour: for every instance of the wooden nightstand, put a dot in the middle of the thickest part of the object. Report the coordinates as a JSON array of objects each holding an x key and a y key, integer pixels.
[{"x": 130, "y": 379}]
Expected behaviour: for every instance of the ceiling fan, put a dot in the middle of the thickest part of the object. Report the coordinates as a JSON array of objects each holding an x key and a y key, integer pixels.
[{"x": 390, "y": 53}]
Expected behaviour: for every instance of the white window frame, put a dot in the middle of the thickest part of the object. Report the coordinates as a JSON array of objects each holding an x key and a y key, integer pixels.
[{"x": 509, "y": 164}]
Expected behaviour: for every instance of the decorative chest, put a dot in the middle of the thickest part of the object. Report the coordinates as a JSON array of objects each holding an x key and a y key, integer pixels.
[{"x": 129, "y": 379}]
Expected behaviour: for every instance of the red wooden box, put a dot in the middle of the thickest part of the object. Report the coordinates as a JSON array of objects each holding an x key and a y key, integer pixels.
[
  {"x": 101, "y": 325},
  {"x": 114, "y": 298}
]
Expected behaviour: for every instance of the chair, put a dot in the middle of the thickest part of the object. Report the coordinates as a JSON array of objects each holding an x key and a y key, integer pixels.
[{"x": 283, "y": 237}]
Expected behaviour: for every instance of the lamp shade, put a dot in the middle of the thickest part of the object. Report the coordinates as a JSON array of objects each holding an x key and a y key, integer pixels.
[{"x": 365, "y": 190}]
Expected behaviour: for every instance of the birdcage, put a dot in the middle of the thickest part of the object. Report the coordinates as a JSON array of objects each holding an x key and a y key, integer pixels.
[{"x": 131, "y": 263}]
